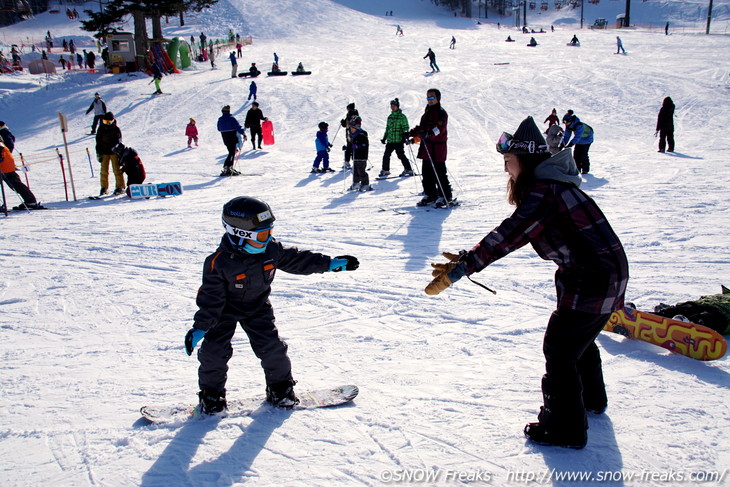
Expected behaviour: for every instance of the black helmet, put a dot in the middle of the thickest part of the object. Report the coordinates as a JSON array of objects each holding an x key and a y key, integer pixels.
[
  {"x": 247, "y": 213},
  {"x": 323, "y": 125},
  {"x": 117, "y": 149}
]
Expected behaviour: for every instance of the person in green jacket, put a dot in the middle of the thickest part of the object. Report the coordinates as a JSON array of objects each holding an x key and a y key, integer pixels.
[{"x": 394, "y": 140}]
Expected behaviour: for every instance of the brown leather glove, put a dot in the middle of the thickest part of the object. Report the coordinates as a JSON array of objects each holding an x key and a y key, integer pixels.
[{"x": 441, "y": 274}]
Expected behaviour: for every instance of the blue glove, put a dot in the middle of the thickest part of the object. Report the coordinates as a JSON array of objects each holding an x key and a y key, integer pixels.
[
  {"x": 344, "y": 262},
  {"x": 192, "y": 338}
]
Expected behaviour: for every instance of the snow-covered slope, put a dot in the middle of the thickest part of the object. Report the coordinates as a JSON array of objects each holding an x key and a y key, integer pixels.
[{"x": 96, "y": 297}]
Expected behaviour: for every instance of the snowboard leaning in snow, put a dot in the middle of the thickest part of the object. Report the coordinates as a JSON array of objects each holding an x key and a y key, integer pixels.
[
  {"x": 321, "y": 398},
  {"x": 147, "y": 190},
  {"x": 692, "y": 340}
]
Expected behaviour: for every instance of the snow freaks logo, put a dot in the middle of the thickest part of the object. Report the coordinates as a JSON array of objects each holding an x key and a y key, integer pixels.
[{"x": 431, "y": 476}]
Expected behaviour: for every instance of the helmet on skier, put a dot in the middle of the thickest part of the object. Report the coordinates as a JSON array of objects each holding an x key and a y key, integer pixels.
[
  {"x": 323, "y": 126},
  {"x": 248, "y": 222}
]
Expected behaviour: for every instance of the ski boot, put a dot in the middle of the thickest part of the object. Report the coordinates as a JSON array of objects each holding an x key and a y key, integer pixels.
[
  {"x": 406, "y": 174},
  {"x": 282, "y": 394},
  {"x": 212, "y": 402},
  {"x": 537, "y": 433}
]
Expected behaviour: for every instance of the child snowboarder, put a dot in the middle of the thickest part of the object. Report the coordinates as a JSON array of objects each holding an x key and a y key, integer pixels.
[
  {"x": 192, "y": 132},
  {"x": 360, "y": 147},
  {"x": 323, "y": 146},
  {"x": 236, "y": 286},
  {"x": 565, "y": 225},
  {"x": 131, "y": 164}
]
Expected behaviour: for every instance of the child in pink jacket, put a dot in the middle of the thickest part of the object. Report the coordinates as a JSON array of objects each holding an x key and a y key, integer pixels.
[{"x": 192, "y": 132}]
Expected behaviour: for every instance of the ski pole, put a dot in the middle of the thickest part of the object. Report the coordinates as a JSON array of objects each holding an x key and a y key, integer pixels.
[
  {"x": 20, "y": 198},
  {"x": 91, "y": 166},
  {"x": 414, "y": 163},
  {"x": 335, "y": 137},
  {"x": 481, "y": 285},
  {"x": 5, "y": 202}
]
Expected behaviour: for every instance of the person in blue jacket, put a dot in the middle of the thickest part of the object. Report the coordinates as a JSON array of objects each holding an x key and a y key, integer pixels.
[
  {"x": 323, "y": 146},
  {"x": 252, "y": 89},
  {"x": 229, "y": 128},
  {"x": 582, "y": 134},
  {"x": 234, "y": 63}
]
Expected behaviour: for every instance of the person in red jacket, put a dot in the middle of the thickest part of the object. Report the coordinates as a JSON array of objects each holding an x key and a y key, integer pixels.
[
  {"x": 432, "y": 130},
  {"x": 565, "y": 225},
  {"x": 11, "y": 178},
  {"x": 192, "y": 132}
]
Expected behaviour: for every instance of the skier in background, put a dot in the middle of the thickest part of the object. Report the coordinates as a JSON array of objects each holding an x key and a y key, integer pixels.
[
  {"x": 235, "y": 289},
  {"x": 665, "y": 125},
  {"x": 254, "y": 117},
  {"x": 323, "y": 146},
  {"x": 582, "y": 134},
  {"x": 99, "y": 108},
  {"x": 394, "y": 139},
  {"x": 191, "y": 131},
  {"x": 452, "y": 44},
  {"x": 432, "y": 61},
  {"x": 564, "y": 225},
  {"x": 432, "y": 130},
  {"x": 229, "y": 128},
  {"x": 234, "y": 64},
  {"x": 360, "y": 149},
  {"x": 252, "y": 89},
  {"x": 552, "y": 119},
  {"x": 345, "y": 122},
  {"x": 619, "y": 46}
]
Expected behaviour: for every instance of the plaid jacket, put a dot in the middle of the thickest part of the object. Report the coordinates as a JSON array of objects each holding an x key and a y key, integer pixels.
[
  {"x": 396, "y": 126},
  {"x": 564, "y": 225}
]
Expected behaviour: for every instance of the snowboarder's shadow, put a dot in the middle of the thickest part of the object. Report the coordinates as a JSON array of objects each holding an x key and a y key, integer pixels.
[
  {"x": 173, "y": 465},
  {"x": 684, "y": 156},
  {"x": 231, "y": 466}
]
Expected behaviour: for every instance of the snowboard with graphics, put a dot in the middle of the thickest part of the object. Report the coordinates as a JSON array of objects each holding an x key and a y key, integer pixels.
[
  {"x": 321, "y": 398},
  {"x": 692, "y": 340}
]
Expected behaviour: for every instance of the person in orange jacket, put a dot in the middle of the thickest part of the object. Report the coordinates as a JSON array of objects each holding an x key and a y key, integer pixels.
[{"x": 11, "y": 178}]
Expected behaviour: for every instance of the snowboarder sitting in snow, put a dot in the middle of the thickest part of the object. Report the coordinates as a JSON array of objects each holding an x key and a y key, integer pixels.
[
  {"x": 236, "y": 286},
  {"x": 564, "y": 225},
  {"x": 574, "y": 41},
  {"x": 300, "y": 68},
  {"x": 253, "y": 71},
  {"x": 131, "y": 164},
  {"x": 532, "y": 42}
]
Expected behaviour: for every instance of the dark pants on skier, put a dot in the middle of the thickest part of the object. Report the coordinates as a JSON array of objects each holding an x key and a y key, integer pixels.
[
  {"x": 666, "y": 138},
  {"x": 230, "y": 139},
  {"x": 573, "y": 380},
  {"x": 216, "y": 350},
  {"x": 580, "y": 154},
  {"x": 322, "y": 156},
  {"x": 435, "y": 184},
  {"x": 15, "y": 184},
  {"x": 359, "y": 172},
  {"x": 254, "y": 132},
  {"x": 96, "y": 122},
  {"x": 398, "y": 148}
]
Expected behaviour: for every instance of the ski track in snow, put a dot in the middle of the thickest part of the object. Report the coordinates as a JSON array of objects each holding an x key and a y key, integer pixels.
[{"x": 96, "y": 297}]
